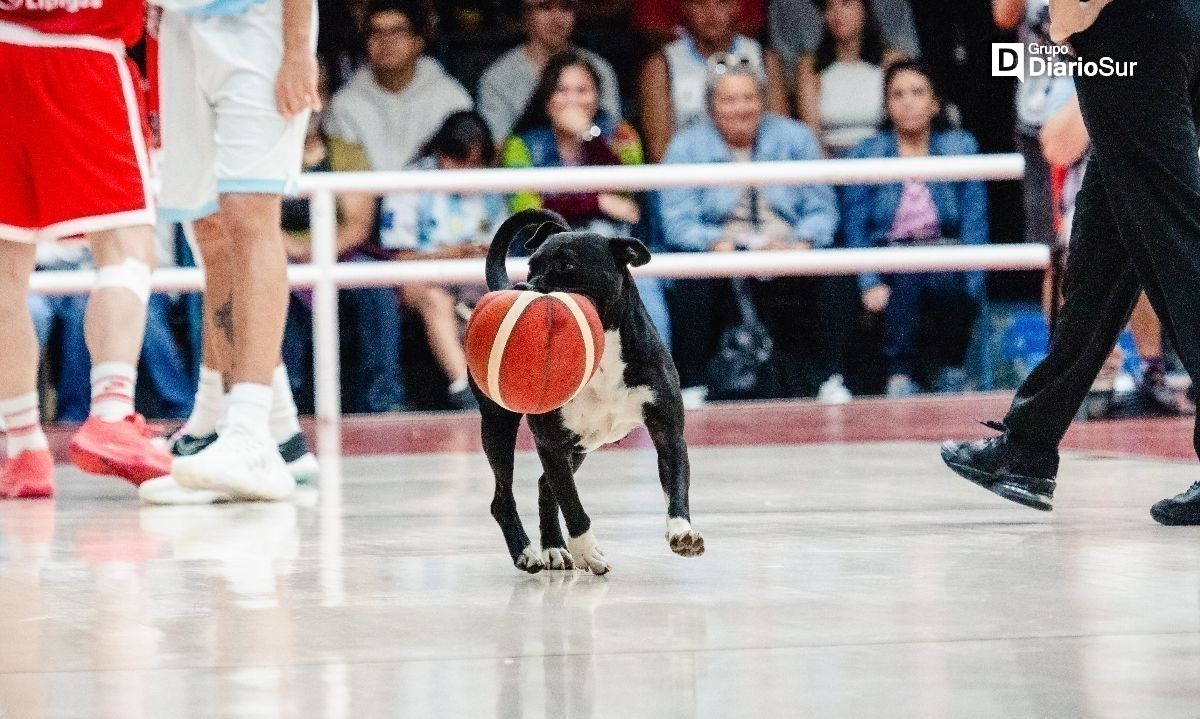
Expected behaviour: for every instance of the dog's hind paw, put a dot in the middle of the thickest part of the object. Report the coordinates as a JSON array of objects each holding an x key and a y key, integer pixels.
[
  {"x": 684, "y": 541},
  {"x": 529, "y": 561},
  {"x": 586, "y": 555},
  {"x": 557, "y": 558}
]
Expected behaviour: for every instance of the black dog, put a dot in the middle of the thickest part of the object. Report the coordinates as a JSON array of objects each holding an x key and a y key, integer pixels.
[{"x": 635, "y": 385}]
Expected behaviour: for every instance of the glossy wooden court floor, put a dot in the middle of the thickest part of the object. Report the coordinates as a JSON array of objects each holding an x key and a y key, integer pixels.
[{"x": 848, "y": 574}]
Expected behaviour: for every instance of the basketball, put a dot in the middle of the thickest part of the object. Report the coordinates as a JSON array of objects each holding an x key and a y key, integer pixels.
[{"x": 532, "y": 352}]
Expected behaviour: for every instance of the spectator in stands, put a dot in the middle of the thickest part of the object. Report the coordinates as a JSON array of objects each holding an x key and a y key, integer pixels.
[
  {"x": 391, "y": 107},
  {"x": 446, "y": 225},
  {"x": 839, "y": 86},
  {"x": 507, "y": 85},
  {"x": 672, "y": 89},
  {"x": 369, "y": 317},
  {"x": 564, "y": 126},
  {"x": 59, "y": 326},
  {"x": 776, "y": 217},
  {"x": 917, "y": 213},
  {"x": 796, "y": 28}
]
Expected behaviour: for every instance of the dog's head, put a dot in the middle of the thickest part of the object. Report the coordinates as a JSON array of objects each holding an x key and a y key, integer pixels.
[{"x": 589, "y": 264}]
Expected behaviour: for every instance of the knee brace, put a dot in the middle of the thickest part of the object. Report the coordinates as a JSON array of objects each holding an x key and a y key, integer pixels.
[{"x": 132, "y": 274}]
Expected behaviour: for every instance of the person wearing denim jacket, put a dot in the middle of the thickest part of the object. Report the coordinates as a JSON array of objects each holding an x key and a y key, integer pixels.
[
  {"x": 774, "y": 217},
  {"x": 694, "y": 218},
  {"x": 957, "y": 214}
]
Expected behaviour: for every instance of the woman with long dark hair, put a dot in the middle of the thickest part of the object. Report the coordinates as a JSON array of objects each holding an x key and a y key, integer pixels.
[
  {"x": 839, "y": 86},
  {"x": 916, "y": 213},
  {"x": 563, "y": 126}
]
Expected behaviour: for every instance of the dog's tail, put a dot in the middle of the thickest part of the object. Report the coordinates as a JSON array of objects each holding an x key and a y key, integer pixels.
[{"x": 548, "y": 223}]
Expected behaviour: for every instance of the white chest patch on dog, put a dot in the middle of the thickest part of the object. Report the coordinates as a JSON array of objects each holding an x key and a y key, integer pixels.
[{"x": 606, "y": 410}]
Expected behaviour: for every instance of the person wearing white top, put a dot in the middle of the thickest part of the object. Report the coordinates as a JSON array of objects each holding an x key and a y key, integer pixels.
[
  {"x": 839, "y": 86},
  {"x": 672, "y": 83}
]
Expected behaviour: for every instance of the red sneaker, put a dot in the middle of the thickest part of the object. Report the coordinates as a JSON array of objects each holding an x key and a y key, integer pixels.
[
  {"x": 119, "y": 449},
  {"x": 29, "y": 475}
]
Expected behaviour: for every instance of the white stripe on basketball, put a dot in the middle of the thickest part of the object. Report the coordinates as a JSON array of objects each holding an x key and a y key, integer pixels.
[
  {"x": 501, "y": 341},
  {"x": 585, "y": 331}
]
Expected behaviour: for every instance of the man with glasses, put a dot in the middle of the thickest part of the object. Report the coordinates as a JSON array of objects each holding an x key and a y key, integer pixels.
[
  {"x": 507, "y": 84},
  {"x": 394, "y": 104}
]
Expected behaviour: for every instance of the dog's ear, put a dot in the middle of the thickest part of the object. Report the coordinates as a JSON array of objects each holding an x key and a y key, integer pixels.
[
  {"x": 543, "y": 232},
  {"x": 629, "y": 251}
]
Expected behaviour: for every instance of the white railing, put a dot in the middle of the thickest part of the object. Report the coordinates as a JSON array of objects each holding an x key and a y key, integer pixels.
[{"x": 325, "y": 275}]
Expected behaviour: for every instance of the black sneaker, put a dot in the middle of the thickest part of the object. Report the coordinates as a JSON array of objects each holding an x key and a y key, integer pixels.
[
  {"x": 1097, "y": 405},
  {"x": 185, "y": 445},
  {"x": 1018, "y": 472},
  {"x": 1153, "y": 398},
  {"x": 301, "y": 462},
  {"x": 1180, "y": 510}
]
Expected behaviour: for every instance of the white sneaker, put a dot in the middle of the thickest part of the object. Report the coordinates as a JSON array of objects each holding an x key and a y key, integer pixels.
[
  {"x": 165, "y": 490},
  {"x": 833, "y": 391},
  {"x": 694, "y": 397},
  {"x": 244, "y": 465}
]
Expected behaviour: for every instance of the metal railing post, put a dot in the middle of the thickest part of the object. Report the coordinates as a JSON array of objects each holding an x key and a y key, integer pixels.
[{"x": 326, "y": 362}]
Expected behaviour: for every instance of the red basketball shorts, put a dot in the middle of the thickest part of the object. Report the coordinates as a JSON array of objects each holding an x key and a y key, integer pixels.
[{"x": 73, "y": 158}]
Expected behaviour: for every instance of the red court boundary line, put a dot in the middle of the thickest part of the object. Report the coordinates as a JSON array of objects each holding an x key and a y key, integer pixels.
[{"x": 931, "y": 419}]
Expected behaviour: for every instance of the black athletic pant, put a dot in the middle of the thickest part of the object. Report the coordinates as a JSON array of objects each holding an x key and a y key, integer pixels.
[{"x": 1137, "y": 217}]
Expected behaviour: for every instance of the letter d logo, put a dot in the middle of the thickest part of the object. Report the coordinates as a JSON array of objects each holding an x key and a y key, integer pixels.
[{"x": 1008, "y": 59}]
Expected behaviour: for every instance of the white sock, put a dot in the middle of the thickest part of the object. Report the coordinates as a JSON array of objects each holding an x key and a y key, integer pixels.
[
  {"x": 112, "y": 390},
  {"x": 250, "y": 408},
  {"x": 22, "y": 424},
  {"x": 459, "y": 385},
  {"x": 209, "y": 406},
  {"x": 285, "y": 422}
]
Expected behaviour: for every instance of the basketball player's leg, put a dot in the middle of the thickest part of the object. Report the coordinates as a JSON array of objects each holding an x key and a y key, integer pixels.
[
  {"x": 28, "y": 468},
  {"x": 257, "y": 154},
  {"x": 216, "y": 255},
  {"x": 115, "y": 439},
  {"x": 116, "y": 312},
  {"x": 259, "y": 291}
]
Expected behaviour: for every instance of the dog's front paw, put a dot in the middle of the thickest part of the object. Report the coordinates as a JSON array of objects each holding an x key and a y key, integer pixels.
[
  {"x": 587, "y": 555},
  {"x": 557, "y": 558},
  {"x": 529, "y": 560},
  {"x": 684, "y": 541}
]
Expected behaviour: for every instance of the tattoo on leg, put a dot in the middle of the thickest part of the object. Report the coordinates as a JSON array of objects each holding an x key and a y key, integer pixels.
[{"x": 223, "y": 320}]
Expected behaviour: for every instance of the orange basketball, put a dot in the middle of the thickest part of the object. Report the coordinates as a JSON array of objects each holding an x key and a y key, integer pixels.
[{"x": 532, "y": 352}]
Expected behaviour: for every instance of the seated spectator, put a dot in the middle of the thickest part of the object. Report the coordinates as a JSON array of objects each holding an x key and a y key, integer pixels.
[
  {"x": 917, "y": 213},
  {"x": 796, "y": 27},
  {"x": 564, "y": 126},
  {"x": 672, "y": 87},
  {"x": 724, "y": 219},
  {"x": 839, "y": 87},
  {"x": 59, "y": 326},
  {"x": 369, "y": 318},
  {"x": 446, "y": 225},
  {"x": 391, "y": 107},
  {"x": 507, "y": 85}
]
